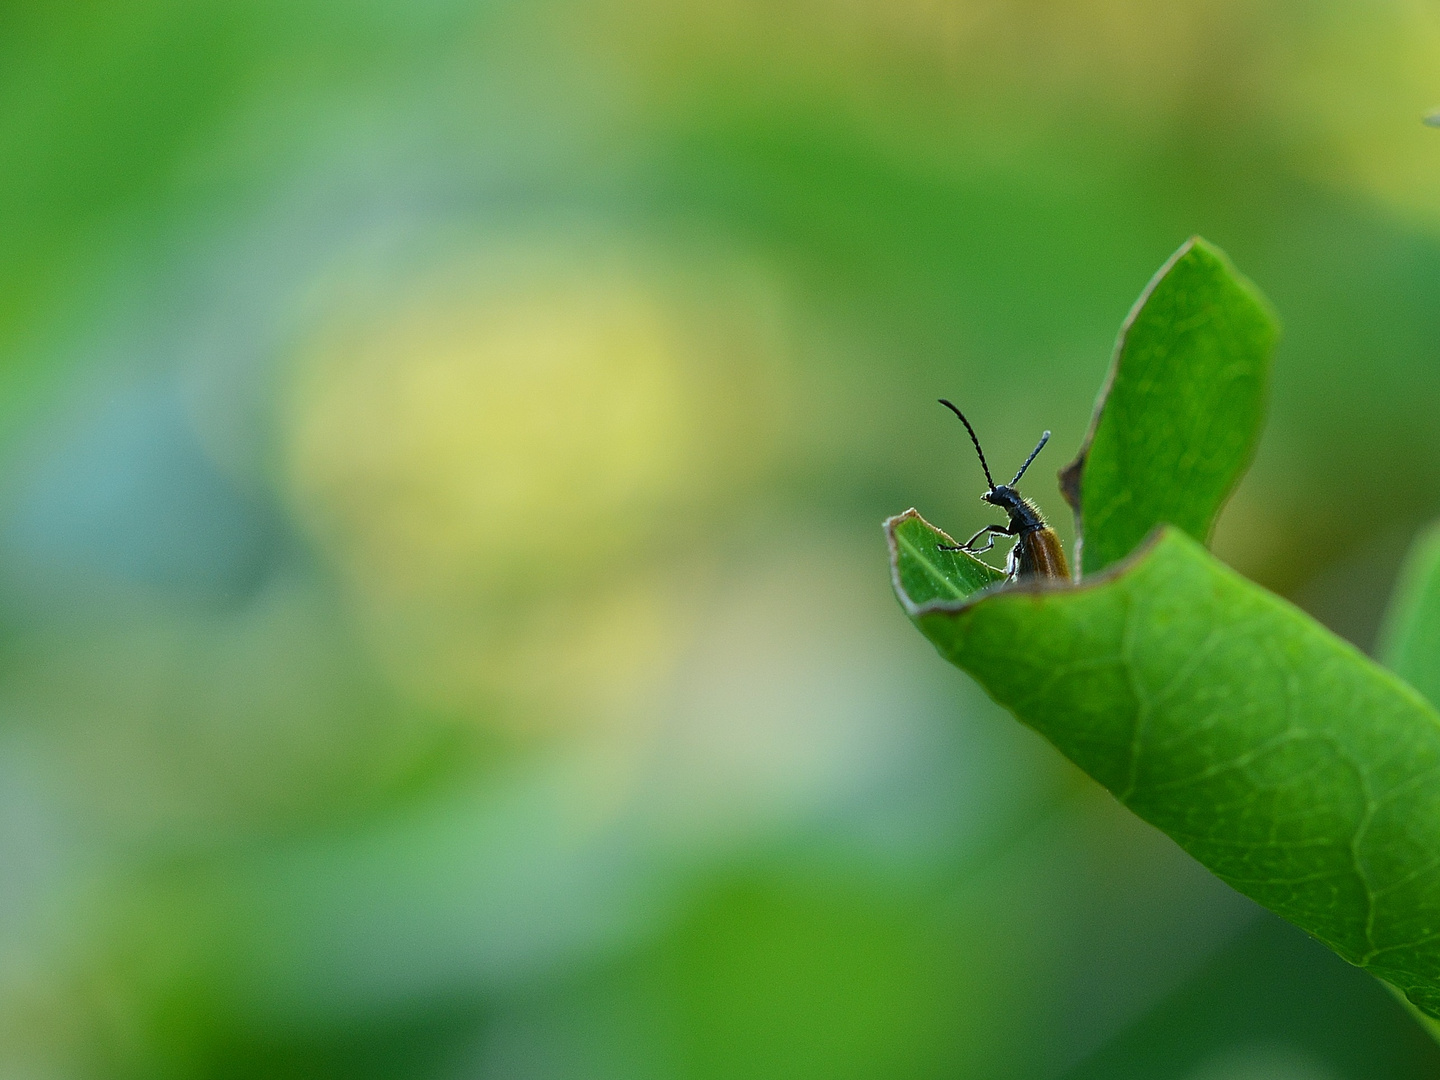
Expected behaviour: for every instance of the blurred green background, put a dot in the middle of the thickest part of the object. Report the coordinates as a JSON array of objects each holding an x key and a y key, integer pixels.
[{"x": 444, "y": 628}]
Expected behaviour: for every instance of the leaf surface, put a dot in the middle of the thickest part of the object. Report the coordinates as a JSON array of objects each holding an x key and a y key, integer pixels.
[
  {"x": 1178, "y": 419},
  {"x": 922, "y": 571},
  {"x": 1298, "y": 770}
]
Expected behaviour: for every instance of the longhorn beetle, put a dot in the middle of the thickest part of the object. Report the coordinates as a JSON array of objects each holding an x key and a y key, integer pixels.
[{"x": 1037, "y": 551}]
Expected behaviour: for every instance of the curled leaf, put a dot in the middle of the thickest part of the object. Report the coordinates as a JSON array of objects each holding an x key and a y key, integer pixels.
[
  {"x": 1177, "y": 422},
  {"x": 1298, "y": 770}
]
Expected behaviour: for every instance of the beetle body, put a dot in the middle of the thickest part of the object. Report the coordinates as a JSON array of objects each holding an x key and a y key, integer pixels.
[{"x": 1037, "y": 552}]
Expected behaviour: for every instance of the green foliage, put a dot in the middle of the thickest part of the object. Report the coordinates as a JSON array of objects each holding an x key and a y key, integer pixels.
[
  {"x": 1295, "y": 768},
  {"x": 1298, "y": 770},
  {"x": 1181, "y": 411},
  {"x": 1410, "y": 642},
  {"x": 1411, "y": 639}
]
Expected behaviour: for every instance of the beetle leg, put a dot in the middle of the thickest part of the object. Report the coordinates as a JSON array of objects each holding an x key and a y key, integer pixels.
[{"x": 1003, "y": 530}]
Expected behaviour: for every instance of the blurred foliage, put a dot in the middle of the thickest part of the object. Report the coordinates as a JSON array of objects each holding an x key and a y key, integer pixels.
[{"x": 395, "y": 676}]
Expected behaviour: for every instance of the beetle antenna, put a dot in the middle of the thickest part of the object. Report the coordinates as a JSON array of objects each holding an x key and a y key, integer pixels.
[
  {"x": 1038, "y": 447},
  {"x": 976, "y": 441}
]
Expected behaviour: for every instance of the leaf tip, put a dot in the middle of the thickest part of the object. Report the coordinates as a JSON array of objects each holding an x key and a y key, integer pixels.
[
  {"x": 894, "y": 520},
  {"x": 1213, "y": 256},
  {"x": 927, "y": 568}
]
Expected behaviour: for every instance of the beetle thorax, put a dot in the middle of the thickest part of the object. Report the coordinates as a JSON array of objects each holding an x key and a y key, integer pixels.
[{"x": 1024, "y": 515}]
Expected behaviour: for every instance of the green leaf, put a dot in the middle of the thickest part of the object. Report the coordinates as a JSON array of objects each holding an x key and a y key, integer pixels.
[
  {"x": 1410, "y": 640},
  {"x": 922, "y": 572},
  {"x": 1295, "y": 768},
  {"x": 1424, "y": 1019},
  {"x": 1180, "y": 414}
]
